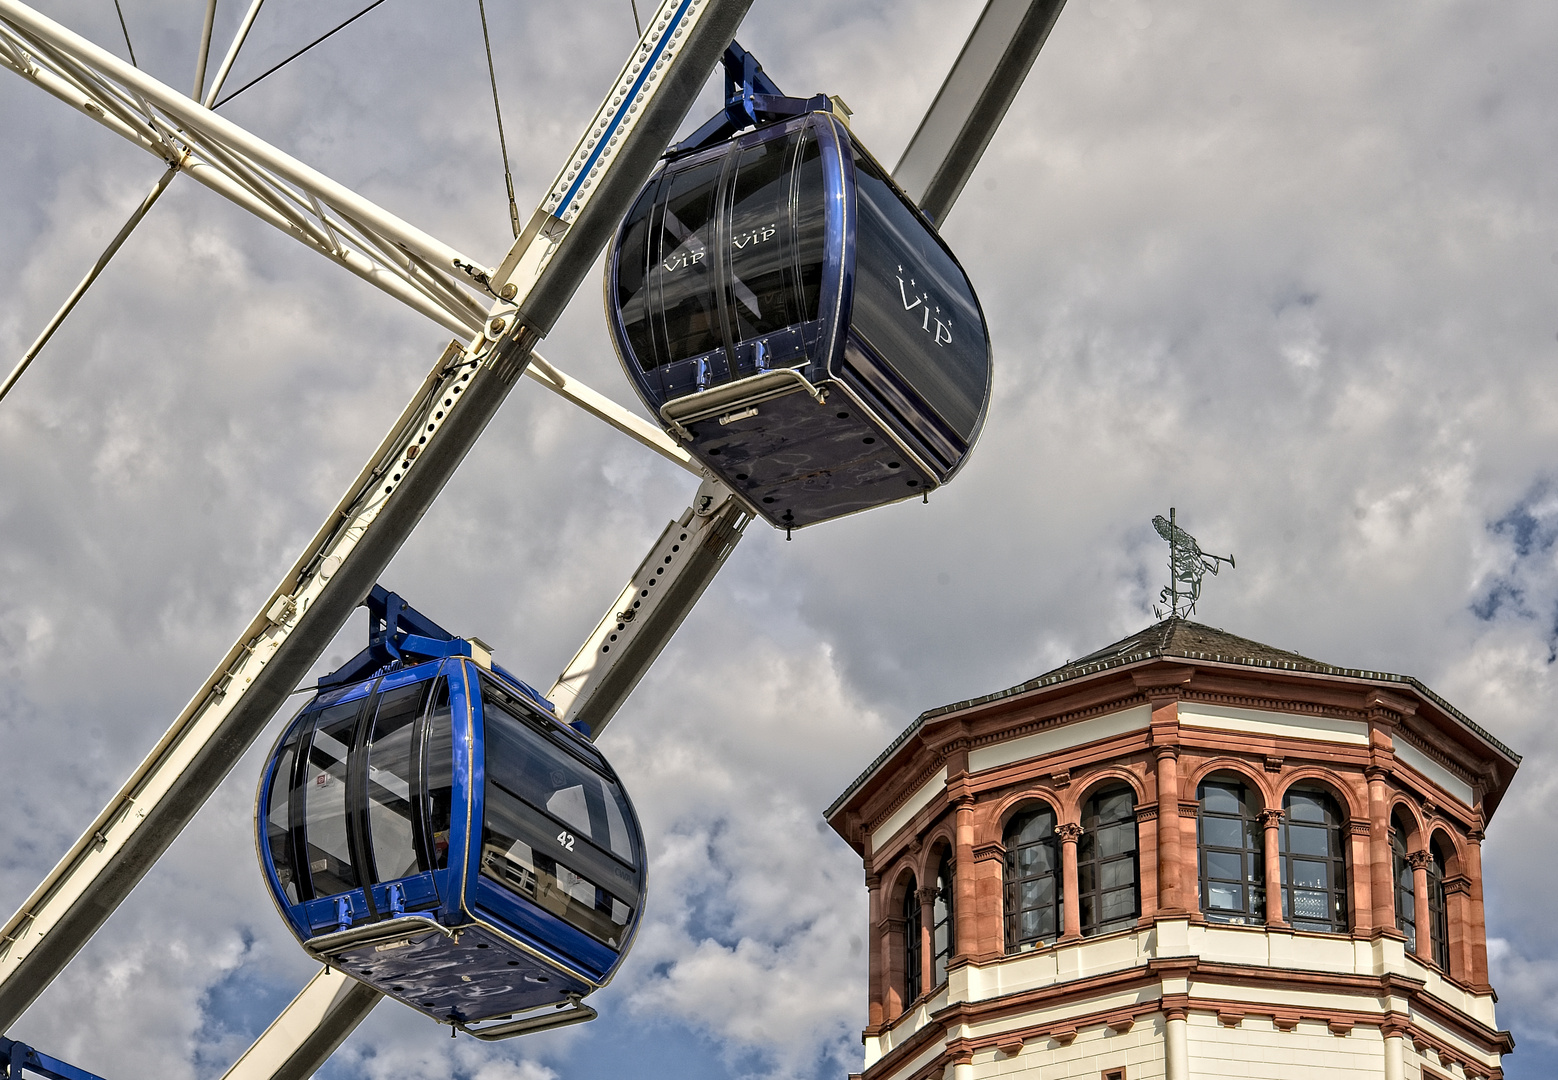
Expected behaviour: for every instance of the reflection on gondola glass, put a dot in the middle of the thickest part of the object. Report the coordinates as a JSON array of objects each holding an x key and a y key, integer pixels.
[
  {"x": 552, "y": 828},
  {"x": 330, "y": 861},
  {"x": 390, "y": 779},
  {"x": 788, "y": 312}
]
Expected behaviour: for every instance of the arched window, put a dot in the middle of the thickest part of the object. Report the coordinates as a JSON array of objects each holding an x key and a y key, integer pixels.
[
  {"x": 942, "y": 930},
  {"x": 1233, "y": 865},
  {"x": 1032, "y": 879},
  {"x": 1314, "y": 862},
  {"x": 1405, "y": 890},
  {"x": 911, "y": 943},
  {"x": 1106, "y": 862},
  {"x": 1438, "y": 919}
]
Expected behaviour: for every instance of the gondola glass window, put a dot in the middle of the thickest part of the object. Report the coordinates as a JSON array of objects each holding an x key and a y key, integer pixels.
[
  {"x": 1032, "y": 880},
  {"x": 785, "y": 309},
  {"x": 556, "y": 832}
]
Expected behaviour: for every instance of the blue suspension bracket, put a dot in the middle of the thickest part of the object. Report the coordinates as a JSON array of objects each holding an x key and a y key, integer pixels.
[
  {"x": 751, "y": 98},
  {"x": 18, "y": 1060}
]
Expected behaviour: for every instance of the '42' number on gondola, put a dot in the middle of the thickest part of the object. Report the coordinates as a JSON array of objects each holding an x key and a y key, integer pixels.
[{"x": 565, "y": 839}]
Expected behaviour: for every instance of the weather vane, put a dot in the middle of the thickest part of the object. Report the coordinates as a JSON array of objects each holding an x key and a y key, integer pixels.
[{"x": 1188, "y": 564}]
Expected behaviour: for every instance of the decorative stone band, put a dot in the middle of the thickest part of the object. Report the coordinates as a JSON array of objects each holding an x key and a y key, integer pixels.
[
  {"x": 1479, "y": 1039},
  {"x": 1459, "y": 885},
  {"x": 1360, "y": 827},
  {"x": 1147, "y": 812}
]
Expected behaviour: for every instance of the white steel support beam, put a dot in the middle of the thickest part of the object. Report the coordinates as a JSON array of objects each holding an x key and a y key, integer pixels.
[
  {"x": 654, "y": 90},
  {"x": 421, "y": 272},
  {"x": 649, "y": 609},
  {"x": 308, "y": 1031},
  {"x": 972, "y": 101}
]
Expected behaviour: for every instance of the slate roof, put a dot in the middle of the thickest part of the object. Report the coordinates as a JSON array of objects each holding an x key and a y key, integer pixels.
[{"x": 1173, "y": 637}]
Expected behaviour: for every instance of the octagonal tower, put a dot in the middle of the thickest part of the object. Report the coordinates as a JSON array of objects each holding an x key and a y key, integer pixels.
[{"x": 1186, "y": 855}]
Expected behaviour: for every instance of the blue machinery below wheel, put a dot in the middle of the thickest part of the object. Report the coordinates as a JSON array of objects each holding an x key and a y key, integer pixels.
[
  {"x": 18, "y": 1060},
  {"x": 429, "y": 827},
  {"x": 789, "y": 313}
]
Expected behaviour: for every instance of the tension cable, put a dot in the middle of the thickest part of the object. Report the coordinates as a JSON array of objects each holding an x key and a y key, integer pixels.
[
  {"x": 294, "y": 56},
  {"x": 126, "y": 30},
  {"x": 492, "y": 73}
]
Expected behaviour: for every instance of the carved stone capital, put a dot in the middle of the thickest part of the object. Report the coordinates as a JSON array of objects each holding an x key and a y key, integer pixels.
[
  {"x": 1069, "y": 833},
  {"x": 989, "y": 851},
  {"x": 1418, "y": 860},
  {"x": 927, "y": 894},
  {"x": 1270, "y": 819},
  {"x": 1458, "y": 885}
]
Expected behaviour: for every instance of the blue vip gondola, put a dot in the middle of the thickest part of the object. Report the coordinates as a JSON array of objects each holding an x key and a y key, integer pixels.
[
  {"x": 786, "y": 310},
  {"x": 428, "y": 826}
]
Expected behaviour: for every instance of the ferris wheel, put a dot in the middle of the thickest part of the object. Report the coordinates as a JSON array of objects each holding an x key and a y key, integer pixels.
[{"x": 433, "y": 828}]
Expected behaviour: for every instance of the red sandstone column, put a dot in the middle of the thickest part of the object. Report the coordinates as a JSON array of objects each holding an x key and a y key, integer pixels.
[
  {"x": 927, "y": 897},
  {"x": 1170, "y": 892},
  {"x": 1070, "y": 904},
  {"x": 990, "y": 927},
  {"x": 1425, "y": 922},
  {"x": 1382, "y": 870},
  {"x": 892, "y": 945},
  {"x": 965, "y": 909},
  {"x": 1147, "y": 858},
  {"x": 875, "y": 976},
  {"x": 1457, "y": 902},
  {"x": 1477, "y": 975},
  {"x": 1271, "y": 821},
  {"x": 1361, "y": 855}
]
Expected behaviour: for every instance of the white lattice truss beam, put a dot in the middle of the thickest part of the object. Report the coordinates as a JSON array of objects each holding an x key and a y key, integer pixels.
[{"x": 429, "y": 276}]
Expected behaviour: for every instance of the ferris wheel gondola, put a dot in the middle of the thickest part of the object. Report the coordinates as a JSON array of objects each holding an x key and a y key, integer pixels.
[
  {"x": 428, "y": 826},
  {"x": 781, "y": 305}
]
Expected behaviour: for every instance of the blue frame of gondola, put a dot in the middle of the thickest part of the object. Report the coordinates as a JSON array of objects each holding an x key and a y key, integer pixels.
[
  {"x": 457, "y": 924},
  {"x": 927, "y": 449}
]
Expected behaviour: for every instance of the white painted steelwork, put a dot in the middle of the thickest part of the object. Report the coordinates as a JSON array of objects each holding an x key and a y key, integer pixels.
[{"x": 409, "y": 468}]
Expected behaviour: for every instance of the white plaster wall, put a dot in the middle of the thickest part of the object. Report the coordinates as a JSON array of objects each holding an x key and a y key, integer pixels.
[
  {"x": 1408, "y": 754},
  {"x": 1136, "y": 718},
  {"x": 1096, "y": 1048},
  {"x": 1258, "y": 1050},
  {"x": 900, "y": 817}
]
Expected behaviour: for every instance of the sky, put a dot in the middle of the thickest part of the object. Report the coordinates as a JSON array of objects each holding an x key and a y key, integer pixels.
[{"x": 1289, "y": 267}]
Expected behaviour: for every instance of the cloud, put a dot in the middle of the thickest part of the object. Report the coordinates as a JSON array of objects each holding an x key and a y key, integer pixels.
[{"x": 1292, "y": 274}]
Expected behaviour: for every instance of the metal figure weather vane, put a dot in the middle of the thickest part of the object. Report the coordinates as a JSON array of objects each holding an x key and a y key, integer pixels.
[{"x": 1188, "y": 564}]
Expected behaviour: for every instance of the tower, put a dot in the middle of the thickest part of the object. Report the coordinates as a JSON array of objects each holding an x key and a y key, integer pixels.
[{"x": 1185, "y": 855}]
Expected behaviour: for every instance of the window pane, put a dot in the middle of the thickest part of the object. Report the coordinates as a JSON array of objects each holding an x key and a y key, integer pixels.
[
  {"x": 1308, "y": 904},
  {"x": 1307, "y": 873},
  {"x": 1224, "y": 897},
  {"x": 391, "y": 778},
  {"x": 760, "y": 252},
  {"x": 1119, "y": 873},
  {"x": 913, "y": 304},
  {"x": 1222, "y": 832},
  {"x": 633, "y": 279},
  {"x": 325, "y": 819},
  {"x": 1035, "y": 859},
  {"x": 1036, "y": 892},
  {"x": 1307, "y": 806},
  {"x": 278, "y": 820},
  {"x": 683, "y": 274},
  {"x": 1309, "y": 839},
  {"x": 440, "y": 775},
  {"x": 1116, "y": 806},
  {"x": 554, "y": 887},
  {"x": 1117, "y": 839},
  {"x": 1030, "y": 828},
  {"x": 810, "y": 225},
  {"x": 548, "y": 777},
  {"x": 1119, "y": 904},
  {"x": 1221, "y": 798}
]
